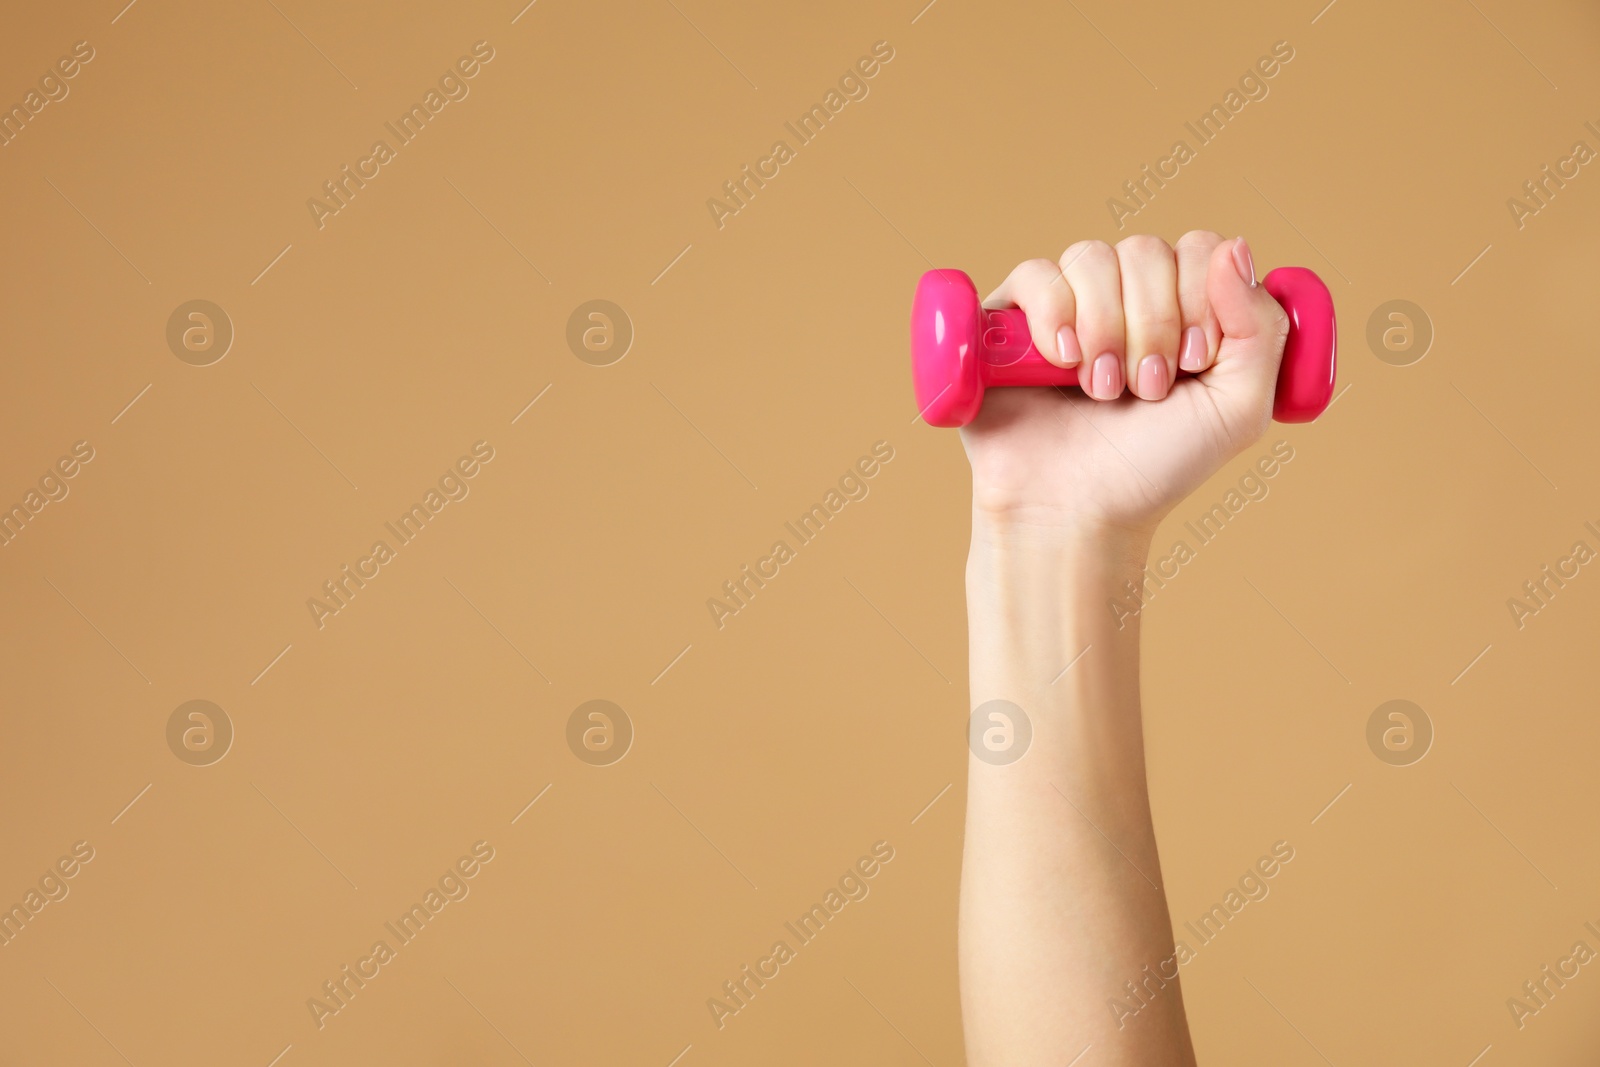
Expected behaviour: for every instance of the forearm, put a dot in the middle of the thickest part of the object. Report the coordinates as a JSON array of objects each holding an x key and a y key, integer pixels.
[{"x": 1061, "y": 902}]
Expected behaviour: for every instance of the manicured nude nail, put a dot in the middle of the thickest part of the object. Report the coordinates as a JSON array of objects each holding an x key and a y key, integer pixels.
[
  {"x": 1152, "y": 378},
  {"x": 1067, "y": 347},
  {"x": 1243, "y": 263},
  {"x": 1107, "y": 376},
  {"x": 1192, "y": 356}
]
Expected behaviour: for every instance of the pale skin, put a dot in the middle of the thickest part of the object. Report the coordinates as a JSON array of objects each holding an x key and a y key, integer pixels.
[{"x": 1061, "y": 889}]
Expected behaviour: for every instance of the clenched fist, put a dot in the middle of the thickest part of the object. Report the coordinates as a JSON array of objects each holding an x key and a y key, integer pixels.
[{"x": 1138, "y": 438}]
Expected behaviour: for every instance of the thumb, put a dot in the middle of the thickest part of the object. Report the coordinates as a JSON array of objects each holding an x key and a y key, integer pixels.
[{"x": 1254, "y": 328}]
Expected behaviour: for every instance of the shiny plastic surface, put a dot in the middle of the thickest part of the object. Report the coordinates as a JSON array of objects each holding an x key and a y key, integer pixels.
[
  {"x": 1310, "y": 356},
  {"x": 959, "y": 348}
]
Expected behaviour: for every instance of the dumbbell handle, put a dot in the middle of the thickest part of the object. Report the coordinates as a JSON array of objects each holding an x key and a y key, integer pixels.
[{"x": 1008, "y": 356}]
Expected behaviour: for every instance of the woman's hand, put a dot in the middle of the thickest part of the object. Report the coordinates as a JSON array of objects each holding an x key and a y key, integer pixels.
[{"x": 1128, "y": 317}]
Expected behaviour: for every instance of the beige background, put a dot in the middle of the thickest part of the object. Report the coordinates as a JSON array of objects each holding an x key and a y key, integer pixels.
[{"x": 372, "y": 753}]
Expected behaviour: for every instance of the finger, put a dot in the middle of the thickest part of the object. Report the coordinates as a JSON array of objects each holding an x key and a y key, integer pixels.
[
  {"x": 1037, "y": 287},
  {"x": 1091, "y": 270},
  {"x": 1197, "y": 349},
  {"x": 1254, "y": 329},
  {"x": 1150, "y": 307}
]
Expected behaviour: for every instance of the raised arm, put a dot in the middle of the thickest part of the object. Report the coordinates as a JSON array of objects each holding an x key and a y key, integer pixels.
[{"x": 1062, "y": 904}]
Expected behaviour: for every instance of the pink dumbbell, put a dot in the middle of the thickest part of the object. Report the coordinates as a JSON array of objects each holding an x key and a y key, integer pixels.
[{"x": 960, "y": 348}]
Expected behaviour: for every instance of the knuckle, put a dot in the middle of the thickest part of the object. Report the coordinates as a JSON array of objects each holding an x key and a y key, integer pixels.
[
  {"x": 1279, "y": 323},
  {"x": 1159, "y": 322},
  {"x": 1030, "y": 282},
  {"x": 1088, "y": 253},
  {"x": 1204, "y": 240},
  {"x": 1036, "y": 274},
  {"x": 1143, "y": 244},
  {"x": 1192, "y": 305},
  {"x": 1034, "y": 271}
]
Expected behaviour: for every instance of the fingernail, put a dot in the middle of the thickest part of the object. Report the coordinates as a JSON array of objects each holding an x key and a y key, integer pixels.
[
  {"x": 1243, "y": 263},
  {"x": 1152, "y": 378},
  {"x": 1067, "y": 347},
  {"x": 1192, "y": 355},
  {"x": 1107, "y": 376}
]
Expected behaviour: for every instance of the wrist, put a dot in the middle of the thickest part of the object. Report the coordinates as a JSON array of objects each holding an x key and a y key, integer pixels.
[
  {"x": 1038, "y": 596},
  {"x": 1080, "y": 546},
  {"x": 1046, "y": 632}
]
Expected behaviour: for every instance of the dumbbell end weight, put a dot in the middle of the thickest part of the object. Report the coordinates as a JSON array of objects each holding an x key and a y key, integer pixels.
[
  {"x": 960, "y": 348},
  {"x": 1311, "y": 353}
]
